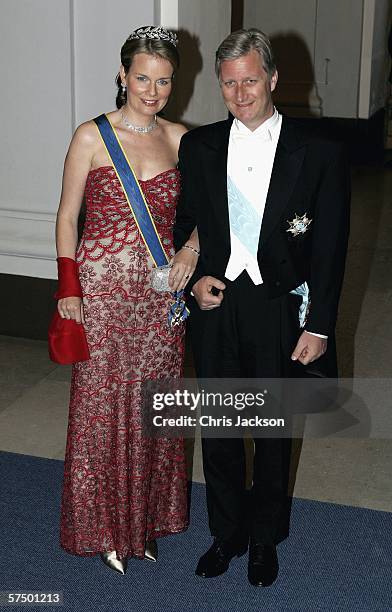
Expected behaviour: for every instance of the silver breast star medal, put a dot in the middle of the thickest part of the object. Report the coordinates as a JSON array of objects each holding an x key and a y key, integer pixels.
[{"x": 299, "y": 225}]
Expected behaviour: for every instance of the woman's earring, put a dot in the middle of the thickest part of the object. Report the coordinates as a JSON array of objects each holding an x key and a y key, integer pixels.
[{"x": 123, "y": 87}]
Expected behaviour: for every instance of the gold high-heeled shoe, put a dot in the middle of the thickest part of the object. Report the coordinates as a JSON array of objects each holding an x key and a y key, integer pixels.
[
  {"x": 151, "y": 551},
  {"x": 118, "y": 565}
]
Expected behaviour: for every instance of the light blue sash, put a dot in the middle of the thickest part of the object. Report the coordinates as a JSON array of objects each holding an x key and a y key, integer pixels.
[
  {"x": 138, "y": 205},
  {"x": 245, "y": 221},
  {"x": 303, "y": 292}
]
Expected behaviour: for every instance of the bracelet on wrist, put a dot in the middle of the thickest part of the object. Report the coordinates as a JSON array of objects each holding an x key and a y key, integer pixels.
[{"x": 191, "y": 248}]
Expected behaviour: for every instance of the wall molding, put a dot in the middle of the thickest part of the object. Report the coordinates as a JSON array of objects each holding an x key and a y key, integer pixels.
[
  {"x": 27, "y": 243},
  {"x": 72, "y": 63},
  {"x": 366, "y": 59},
  {"x": 28, "y": 266},
  {"x": 166, "y": 13},
  {"x": 27, "y": 215}
]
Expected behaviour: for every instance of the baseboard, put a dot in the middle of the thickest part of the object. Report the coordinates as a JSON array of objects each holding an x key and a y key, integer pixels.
[{"x": 26, "y": 306}]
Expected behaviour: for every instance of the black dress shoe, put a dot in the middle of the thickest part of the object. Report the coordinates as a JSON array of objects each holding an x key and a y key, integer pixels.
[
  {"x": 263, "y": 564},
  {"x": 217, "y": 559}
]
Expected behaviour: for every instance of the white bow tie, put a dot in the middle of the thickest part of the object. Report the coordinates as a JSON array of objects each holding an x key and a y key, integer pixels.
[{"x": 263, "y": 136}]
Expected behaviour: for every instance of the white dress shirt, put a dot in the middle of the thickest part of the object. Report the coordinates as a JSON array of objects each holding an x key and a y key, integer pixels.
[
  {"x": 249, "y": 165},
  {"x": 250, "y": 160}
]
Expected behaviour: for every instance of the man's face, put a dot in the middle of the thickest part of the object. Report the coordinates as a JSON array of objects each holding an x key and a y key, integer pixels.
[{"x": 247, "y": 88}]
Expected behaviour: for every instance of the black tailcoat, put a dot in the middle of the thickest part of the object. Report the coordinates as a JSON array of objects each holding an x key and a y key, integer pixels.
[{"x": 310, "y": 175}]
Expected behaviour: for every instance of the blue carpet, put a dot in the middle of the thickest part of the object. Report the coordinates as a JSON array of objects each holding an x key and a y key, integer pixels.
[{"x": 337, "y": 558}]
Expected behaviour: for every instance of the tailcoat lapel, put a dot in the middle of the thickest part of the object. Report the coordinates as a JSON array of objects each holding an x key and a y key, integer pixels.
[
  {"x": 289, "y": 156},
  {"x": 215, "y": 168}
]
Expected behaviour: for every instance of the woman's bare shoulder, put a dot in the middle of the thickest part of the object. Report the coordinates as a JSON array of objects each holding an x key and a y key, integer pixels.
[
  {"x": 174, "y": 131},
  {"x": 86, "y": 134}
]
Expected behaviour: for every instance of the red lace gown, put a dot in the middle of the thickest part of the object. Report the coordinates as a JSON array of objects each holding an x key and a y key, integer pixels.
[{"x": 121, "y": 489}]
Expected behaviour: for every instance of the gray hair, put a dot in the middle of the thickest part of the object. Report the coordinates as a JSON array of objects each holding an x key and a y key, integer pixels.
[{"x": 241, "y": 43}]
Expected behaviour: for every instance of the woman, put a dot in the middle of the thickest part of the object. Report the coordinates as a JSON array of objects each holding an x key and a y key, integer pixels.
[{"x": 122, "y": 491}]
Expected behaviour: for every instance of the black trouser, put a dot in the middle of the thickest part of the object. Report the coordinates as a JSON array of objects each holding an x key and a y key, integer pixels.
[{"x": 242, "y": 339}]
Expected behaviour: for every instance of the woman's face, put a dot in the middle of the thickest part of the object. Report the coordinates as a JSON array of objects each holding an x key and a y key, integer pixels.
[{"x": 149, "y": 83}]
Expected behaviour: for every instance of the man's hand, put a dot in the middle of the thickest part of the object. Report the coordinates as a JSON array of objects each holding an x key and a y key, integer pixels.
[
  {"x": 309, "y": 348},
  {"x": 202, "y": 292}
]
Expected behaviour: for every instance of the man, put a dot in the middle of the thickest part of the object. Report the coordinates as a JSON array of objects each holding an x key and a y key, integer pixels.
[{"x": 270, "y": 202}]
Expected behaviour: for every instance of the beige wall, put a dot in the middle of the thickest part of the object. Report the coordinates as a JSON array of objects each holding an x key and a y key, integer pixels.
[
  {"x": 375, "y": 61},
  {"x": 208, "y": 22},
  {"x": 100, "y": 28},
  {"x": 331, "y": 53},
  {"x": 57, "y": 68}
]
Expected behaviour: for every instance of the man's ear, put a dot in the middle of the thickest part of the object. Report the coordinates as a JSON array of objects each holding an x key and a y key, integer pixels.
[{"x": 274, "y": 80}]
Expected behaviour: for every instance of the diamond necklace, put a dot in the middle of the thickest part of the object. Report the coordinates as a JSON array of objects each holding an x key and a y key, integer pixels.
[{"x": 140, "y": 129}]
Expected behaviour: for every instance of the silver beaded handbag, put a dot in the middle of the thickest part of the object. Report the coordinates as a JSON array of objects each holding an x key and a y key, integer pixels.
[{"x": 160, "y": 278}]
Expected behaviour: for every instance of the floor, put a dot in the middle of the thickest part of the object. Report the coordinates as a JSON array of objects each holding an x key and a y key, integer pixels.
[{"x": 351, "y": 466}]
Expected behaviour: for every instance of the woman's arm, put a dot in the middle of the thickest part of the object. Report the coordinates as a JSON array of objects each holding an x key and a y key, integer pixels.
[
  {"x": 184, "y": 262},
  {"x": 76, "y": 168}
]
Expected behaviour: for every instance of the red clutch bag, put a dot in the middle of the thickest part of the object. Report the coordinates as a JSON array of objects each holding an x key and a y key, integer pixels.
[{"x": 67, "y": 339}]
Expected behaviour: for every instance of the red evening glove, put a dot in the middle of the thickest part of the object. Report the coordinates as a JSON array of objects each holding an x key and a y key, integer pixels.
[{"x": 67, "y": 339}]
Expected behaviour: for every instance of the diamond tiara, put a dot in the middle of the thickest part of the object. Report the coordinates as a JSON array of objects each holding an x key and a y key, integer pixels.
[{"x": 154, "y": 32}]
